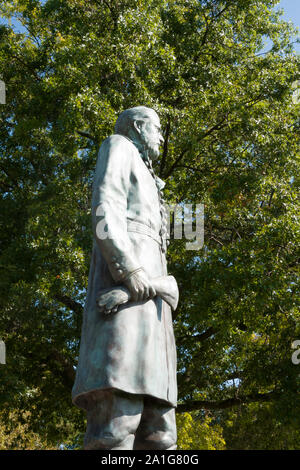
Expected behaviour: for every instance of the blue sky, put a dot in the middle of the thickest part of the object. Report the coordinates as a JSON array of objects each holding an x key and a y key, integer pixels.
[{"x": 291, "y": 13}]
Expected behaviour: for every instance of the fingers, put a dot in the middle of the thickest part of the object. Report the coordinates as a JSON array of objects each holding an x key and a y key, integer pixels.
[
  {"x": 108, "y": 311},
  {"x": 134, "y": 294},
  {"x": 152, "y": 292},
  {"x": 140, "y": 287},
  {"x": 144, "y": 292},
  {"x": 107, "y": 307}
]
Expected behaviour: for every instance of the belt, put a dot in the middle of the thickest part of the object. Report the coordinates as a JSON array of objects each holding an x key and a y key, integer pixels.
[{"x": 139, "y": 227}]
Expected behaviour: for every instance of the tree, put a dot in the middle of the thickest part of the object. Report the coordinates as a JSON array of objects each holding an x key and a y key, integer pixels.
[{"x": 230, "y": 127}]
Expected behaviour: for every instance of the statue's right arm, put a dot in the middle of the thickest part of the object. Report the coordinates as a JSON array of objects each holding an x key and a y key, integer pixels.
[{"x": 109, "y": 208}]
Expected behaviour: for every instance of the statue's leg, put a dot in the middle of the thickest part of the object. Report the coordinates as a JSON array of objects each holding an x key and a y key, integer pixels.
[
  {"x": 112, "y": 420},
  {"x": 157, "y": 429}
]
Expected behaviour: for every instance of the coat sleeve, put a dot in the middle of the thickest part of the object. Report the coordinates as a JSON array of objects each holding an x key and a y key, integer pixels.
[{"x": 109, "y": 207}]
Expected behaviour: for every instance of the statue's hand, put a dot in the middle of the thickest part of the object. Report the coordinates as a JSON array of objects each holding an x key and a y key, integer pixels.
[
  {"x": 140, "y": 286},
  {"x": 109, "y": 301}
]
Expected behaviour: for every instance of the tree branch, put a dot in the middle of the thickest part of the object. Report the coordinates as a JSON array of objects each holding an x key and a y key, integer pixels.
[
  {"x": 32, "y": 71},
  {"x": 165, "y": 150},
  {"x": 70, "y": 303},
  {"x": 175, "y": 163},
  {"x": 229, "y": 403},
  {"x": 206, "y": 334},
  {"x": 216, "y": 127},
  {"x": 200, "y": 336},
  {"x": 68, "y": 371},
  {"x": 88, "y": 136}
]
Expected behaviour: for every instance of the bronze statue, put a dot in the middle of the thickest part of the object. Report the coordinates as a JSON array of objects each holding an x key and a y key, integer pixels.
[{"x": 126, "y": 375}]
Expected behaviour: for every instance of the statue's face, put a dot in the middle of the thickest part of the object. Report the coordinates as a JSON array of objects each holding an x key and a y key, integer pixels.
[{"x": 150, "y": 135}]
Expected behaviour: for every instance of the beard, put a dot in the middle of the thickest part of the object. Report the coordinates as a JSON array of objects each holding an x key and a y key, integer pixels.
[{"x": 151, "y": 148}]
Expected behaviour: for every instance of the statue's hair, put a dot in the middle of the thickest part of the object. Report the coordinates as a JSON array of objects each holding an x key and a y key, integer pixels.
[{"x": 126, "y": 119}]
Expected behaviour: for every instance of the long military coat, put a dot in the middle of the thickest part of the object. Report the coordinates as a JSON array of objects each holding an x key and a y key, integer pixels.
[{"x": 132, "y": 350}]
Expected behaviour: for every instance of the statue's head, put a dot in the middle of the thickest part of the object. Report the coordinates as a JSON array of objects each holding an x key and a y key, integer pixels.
[{"x": 142, "y": 126}]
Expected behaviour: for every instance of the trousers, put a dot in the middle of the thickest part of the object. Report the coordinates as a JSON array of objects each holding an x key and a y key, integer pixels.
[{"x": 120, "y": 421}]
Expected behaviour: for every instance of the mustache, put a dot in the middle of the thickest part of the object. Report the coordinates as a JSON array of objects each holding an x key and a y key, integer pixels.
[{"x": 151, "y": 144}]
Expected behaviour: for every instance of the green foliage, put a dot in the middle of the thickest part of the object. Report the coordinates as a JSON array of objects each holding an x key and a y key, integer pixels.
[
  {"x": 231, "y": 141},
  {"x": 198, "y": 433},
  {"x": 15, "y": 433},
  {"x": 260, "y": 427}
]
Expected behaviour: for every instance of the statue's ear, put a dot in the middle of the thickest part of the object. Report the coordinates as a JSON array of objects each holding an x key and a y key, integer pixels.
[{"x": 138, "y": 124}]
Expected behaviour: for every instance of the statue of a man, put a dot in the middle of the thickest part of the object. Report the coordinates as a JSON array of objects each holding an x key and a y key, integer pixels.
[{"x": 126, "y": 375}]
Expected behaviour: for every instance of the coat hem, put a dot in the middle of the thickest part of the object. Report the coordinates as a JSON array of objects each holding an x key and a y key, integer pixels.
[{"x": 81, "y": 399}]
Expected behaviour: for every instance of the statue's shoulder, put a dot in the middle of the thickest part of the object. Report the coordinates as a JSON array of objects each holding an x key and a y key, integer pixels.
[
  {"x": 116, "y": 142},
  {"x": 114, "y": 154},
  {"x": 113, "y": 149}
]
